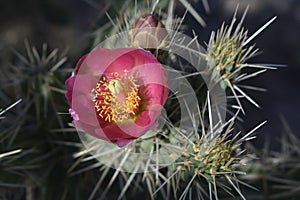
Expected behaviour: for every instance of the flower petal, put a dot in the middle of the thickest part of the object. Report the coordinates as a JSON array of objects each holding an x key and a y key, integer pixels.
[
  {"x": 123, "y": 142},
  {"x": 100, "y": 58},
  {"x": 69, "y": 85}
]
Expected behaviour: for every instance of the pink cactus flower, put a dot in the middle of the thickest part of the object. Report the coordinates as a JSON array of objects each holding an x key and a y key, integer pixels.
[{"x": 117, "y": 95}]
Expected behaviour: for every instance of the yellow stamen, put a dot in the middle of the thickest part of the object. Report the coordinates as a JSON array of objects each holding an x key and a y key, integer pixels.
[{"x": 116, "y": 99}]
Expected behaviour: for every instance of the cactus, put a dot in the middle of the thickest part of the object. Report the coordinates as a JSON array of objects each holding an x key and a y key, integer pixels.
[{"x": 193, "y": 150}]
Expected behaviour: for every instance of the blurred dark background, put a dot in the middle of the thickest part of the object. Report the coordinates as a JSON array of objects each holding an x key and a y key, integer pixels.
[{"x": 70, "y": 24}]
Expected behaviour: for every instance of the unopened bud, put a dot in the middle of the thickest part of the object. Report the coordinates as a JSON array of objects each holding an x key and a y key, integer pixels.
[{"x": 148, "y": 33}]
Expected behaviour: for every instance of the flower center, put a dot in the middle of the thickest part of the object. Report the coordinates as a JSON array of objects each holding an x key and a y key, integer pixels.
[{"x": 116, "y": 99}]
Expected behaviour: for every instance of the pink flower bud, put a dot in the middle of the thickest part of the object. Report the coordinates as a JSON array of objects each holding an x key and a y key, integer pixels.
[{"x": 148, "y": 33}]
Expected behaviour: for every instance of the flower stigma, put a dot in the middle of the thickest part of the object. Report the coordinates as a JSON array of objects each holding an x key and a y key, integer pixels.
[{"x": 116, "y": 98}]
